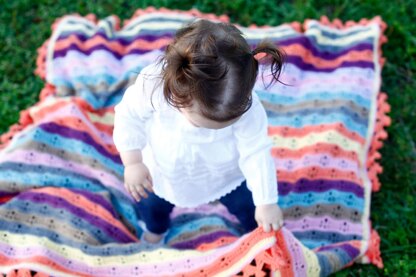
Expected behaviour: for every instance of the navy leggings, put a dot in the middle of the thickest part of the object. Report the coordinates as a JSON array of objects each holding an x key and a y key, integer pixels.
[{"x": 155, "y": 211}]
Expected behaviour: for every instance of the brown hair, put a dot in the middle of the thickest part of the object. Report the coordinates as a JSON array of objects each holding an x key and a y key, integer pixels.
[{"x": 212, "y": 64}]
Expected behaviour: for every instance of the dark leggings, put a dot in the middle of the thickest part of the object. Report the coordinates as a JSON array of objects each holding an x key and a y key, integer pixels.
[{"x": 155, "y": 211}]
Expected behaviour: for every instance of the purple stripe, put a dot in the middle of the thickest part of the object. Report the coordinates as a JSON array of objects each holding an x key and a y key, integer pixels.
[
  {"x": 78, "y": 135},
  {"x": 123, "y": 41},
  {"x": 7, "y": 193},
  {"x": 350, "y": 250},
  {"x": 97, "y": 199},
  {"x": 57, "y": 202},
  {"x": 305, "y": 185},
  {"x": 326, "y": 54},
  {"x": 192, "y": 244}
]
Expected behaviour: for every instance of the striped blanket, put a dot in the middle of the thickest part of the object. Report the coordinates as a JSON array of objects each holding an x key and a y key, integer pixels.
[{"x": 64, "y": 210}]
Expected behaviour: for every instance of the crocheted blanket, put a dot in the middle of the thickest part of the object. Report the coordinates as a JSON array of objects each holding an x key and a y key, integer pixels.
[{"x": 63, "y": 207}]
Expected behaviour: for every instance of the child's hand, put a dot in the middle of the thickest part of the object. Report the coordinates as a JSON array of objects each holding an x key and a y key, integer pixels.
[
  {"x": 137, "y": 180},
  {"x": 270, "y": 217}
]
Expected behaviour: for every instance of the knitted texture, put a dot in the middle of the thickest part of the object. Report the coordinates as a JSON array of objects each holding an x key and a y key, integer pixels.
[{"x": 63, "y": 207}]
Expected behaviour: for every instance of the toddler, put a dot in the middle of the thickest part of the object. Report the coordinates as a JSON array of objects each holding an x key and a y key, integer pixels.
[{"x": 190, "y": 130}]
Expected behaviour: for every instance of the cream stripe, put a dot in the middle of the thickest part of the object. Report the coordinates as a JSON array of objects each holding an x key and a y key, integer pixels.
[
  {"x": 312, "y": 261},
  {"x": 342, "y": 41},
  {"x": 48, "y": 102},
  {"x": 254, "y": 250}
]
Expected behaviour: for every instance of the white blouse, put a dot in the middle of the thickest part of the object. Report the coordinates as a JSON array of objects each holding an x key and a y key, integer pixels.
[{"x": 191, "y": 165}]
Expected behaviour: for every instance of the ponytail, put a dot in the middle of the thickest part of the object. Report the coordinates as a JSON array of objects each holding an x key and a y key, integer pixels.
[{"x": 268, "y": 53}]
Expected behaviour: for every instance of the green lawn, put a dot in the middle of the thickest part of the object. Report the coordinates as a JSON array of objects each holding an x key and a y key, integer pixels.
[{"x": 25, "y": 25}]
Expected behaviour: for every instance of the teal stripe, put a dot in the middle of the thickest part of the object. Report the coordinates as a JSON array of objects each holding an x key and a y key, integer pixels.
[
  {"x": 93, "y": 79},
  {"x": 330, "y": 197},
  {"x": 327, "y": 96}
]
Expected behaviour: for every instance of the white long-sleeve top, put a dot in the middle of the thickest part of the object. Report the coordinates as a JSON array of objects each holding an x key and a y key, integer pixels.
[{"x": 191, "y": 165}]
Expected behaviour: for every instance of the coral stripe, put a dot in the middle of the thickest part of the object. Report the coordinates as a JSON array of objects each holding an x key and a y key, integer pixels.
[
  {"x": 112, "y": 45},
  {"x": 85, "y": 204},
  {"x": 315, "y": 173}
]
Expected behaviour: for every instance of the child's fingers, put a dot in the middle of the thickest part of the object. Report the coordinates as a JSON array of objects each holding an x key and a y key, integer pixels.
[
  {"x": 135, "y": 195},
  {"x": 149, "y": 178},
  {"x": 266, "y": 228},
  {"x": 276, "y": 226},
  {"x": 148, "y": 185},
  {"x": 133, "y": 192},
  {"x": 141, "y": 191}
]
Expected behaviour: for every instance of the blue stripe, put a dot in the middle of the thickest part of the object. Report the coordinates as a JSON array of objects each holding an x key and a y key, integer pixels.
[
  {"x": 75, "y": 146},
  {"x": 326, "y": 96},
  {"x": 196, "y": 225},
  {"x": 317, "y": 119},
  {"x": 331, "y": 197}
]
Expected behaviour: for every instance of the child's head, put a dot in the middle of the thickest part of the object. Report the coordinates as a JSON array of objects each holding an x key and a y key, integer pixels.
[{"x": 209, "y": 72}]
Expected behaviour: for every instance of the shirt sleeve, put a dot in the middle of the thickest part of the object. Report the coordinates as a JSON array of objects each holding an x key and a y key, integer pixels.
[
  {"x": 255, "y": 159},
  {"x": 132, "y": 112}
]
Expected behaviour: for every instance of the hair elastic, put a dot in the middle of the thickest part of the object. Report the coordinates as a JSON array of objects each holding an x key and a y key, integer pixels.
[{"x": 258, "y": 56}]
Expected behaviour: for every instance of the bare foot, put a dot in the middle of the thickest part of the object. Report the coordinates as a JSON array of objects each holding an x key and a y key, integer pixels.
[{"x": 152, "y": 238}]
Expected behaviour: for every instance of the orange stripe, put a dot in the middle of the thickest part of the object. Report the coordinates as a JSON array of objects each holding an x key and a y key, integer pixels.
[
  {"x": 217, "y": 243},
  {"x": 318, "y": 148},
  {"x": 308, "y": 57},
  {"x": 287, "y": 131},
  {"x": 79, "y": 125},
  {"x": 114, "y": 46},
  {"x": 85, "y": 204},
  {"x": 45, "y": 111},
  {"x": 142, "y": 44},
  {"x": 228, "y": 259},
  {"x": 281, "y": 244},
  {"x": 315, "y": 173}
]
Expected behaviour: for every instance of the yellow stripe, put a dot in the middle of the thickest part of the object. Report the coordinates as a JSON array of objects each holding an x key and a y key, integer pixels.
[
  {"x": 330, "y": 136},
  {"x": 107, "y": 118}
]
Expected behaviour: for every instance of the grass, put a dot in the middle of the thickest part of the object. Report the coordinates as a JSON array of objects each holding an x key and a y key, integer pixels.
[{"x": 25, "y": 25}]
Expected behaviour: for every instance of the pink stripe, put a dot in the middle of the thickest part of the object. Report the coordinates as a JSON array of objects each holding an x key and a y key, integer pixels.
[
  {"x": 319, "y": 224},
  {"x": 100, "y": 61},
  {"x": 330, "y": 83},
  {"x": 320, "y": 160},
  {"x": 295, "y": 250},
  {"x": 68, "y": 110},
  {"x": 48, "y": 160}
]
